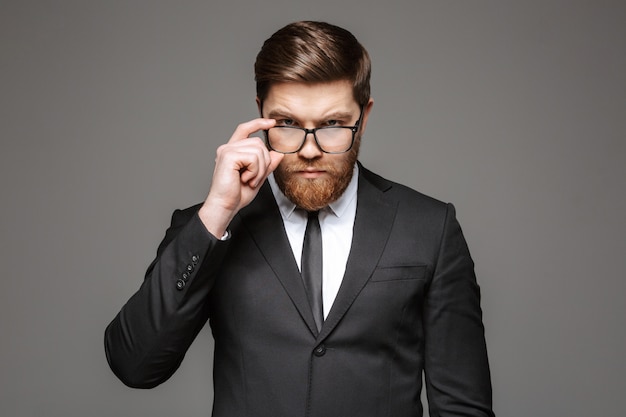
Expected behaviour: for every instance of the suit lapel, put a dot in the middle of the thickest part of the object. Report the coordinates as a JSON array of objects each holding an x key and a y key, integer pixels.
[
  {"x": 372, "y": 225},
  {"x": 262, "y": 219}
]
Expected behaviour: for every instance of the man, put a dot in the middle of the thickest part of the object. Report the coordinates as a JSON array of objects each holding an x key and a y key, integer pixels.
[{"x": 329, "y": 290}]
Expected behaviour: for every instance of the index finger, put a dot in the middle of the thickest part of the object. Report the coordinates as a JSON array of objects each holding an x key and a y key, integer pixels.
[{"x": 244, "y": 130}]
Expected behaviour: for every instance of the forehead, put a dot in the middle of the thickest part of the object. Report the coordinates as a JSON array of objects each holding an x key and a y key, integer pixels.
[{"x": 311, "y": 99}]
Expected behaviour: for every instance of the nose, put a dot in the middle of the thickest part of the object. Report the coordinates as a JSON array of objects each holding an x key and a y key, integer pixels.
[{"x": 310, "y": 150}]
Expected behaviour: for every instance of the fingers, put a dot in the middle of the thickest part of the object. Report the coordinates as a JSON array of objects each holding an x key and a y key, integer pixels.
[
  {"x": 255, "y": 174},
  {"x": 247, "y": 159},
  {"x": 253, "y": 159},
  {"x": 244, "y": 130},
  {"x": 242, "y": 165}
]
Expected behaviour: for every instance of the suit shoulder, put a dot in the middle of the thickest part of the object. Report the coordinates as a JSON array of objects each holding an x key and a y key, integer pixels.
[
  {"x": 405, "y": 195},
  {"x": 410, "y": 195}
]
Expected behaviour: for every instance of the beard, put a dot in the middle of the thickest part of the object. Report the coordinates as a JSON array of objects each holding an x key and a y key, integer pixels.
[{"x": 313, "y": 194}]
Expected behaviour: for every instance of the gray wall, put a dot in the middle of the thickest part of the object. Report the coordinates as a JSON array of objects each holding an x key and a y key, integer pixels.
[{"x": 515, "y": 111}]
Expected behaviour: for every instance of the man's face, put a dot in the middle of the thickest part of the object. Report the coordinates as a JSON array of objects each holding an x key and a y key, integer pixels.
[{"x": 310, "y": 178}]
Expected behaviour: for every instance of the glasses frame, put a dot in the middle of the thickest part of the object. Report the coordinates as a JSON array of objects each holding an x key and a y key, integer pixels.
[{"x": 306, "y": 131}]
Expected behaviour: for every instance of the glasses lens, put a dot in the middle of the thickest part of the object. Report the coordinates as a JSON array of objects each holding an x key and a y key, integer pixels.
[
  {"x": 285, "y": 139},
  {"x": 334, "y": 139}
]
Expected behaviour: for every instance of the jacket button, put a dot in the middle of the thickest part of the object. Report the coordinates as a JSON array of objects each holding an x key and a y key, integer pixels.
[
  {"x": 189, "y": 268},
  {"x": 195, "y": 259},
  {"x": 180, "y": 284},
  {"x": 185, "y": 276},
  {"x": 320, "y": 350}
]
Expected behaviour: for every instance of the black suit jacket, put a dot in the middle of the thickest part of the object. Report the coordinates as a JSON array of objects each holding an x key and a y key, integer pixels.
[{"x": 408, "y": 303}]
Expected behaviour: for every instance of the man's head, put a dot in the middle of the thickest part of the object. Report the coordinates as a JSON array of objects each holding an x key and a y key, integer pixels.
[
  {"x": 314, "y": 75},
  {"x": 313, "y": 52}
]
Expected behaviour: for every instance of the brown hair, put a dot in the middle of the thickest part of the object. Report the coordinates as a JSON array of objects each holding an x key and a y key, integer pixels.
[{"x": 313, "y": 52}]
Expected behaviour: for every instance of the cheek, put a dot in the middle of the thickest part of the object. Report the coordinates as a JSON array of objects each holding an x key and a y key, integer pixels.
[
  {"x": 283, "y": 166},
  {"x": 345, "y": 162},
  {"x": 338, "y": 164}
]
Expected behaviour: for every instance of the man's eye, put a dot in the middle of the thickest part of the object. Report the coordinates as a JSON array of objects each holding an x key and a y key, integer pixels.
[
  {"x": 332, "y": 123},
  {"x": 285, "y": 122}
]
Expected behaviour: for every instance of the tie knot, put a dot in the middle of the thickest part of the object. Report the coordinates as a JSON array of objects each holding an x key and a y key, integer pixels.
[{"x": 313, "y": 214}]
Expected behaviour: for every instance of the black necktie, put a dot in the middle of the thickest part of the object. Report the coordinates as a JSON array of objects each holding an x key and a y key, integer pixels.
[{"x": 312, "y": 267}]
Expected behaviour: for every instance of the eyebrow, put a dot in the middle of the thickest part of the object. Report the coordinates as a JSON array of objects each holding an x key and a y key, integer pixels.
[{"x": 284, "y": 113}]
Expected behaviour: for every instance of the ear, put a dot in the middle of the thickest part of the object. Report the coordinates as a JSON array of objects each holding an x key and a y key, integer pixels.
[
  {"x": 366, "y": 112},
  {"x": 259, "y": 105}
]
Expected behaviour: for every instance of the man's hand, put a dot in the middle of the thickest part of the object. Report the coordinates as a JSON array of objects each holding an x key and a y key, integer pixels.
[{"x": 241, "y": 167}]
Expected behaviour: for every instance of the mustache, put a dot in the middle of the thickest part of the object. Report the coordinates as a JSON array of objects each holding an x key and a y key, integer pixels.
[{"x": 302, "y": 166}]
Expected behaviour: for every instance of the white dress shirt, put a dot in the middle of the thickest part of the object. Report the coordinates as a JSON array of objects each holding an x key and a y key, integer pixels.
[{"x": 336, "y": 222}]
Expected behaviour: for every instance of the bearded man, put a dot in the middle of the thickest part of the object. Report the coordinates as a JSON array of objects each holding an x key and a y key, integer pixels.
[{"x": 330, "y": 291}]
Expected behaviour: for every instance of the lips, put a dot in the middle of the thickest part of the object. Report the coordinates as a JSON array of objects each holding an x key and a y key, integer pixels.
[
  {"x": 311, "y": 173},
  {"x": 308, "y": 169}
]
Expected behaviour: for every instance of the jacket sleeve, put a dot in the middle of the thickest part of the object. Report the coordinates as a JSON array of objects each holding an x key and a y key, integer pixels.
[
  {"x": 147, "y": 340},
  {"x": 456, "y": 366}
]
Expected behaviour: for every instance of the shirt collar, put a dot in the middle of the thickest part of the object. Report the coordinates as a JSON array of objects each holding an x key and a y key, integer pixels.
[{"x": 338, "y": 207}]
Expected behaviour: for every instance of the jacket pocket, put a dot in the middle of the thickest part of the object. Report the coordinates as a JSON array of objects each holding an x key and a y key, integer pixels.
[{"x": 399, "y": 273}]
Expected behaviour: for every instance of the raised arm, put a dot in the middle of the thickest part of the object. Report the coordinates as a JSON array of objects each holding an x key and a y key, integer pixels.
[{"x": 147, "y": 340}]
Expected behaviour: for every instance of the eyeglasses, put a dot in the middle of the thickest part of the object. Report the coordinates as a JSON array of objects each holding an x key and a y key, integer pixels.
[{"x": 330, "y": 139}]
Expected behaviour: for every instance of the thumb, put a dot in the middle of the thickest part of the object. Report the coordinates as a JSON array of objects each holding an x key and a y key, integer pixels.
[{"x": 275, "y": 159}]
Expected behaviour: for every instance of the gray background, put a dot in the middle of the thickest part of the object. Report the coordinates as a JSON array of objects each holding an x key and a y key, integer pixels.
[{"x": 111, "y": 112}]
